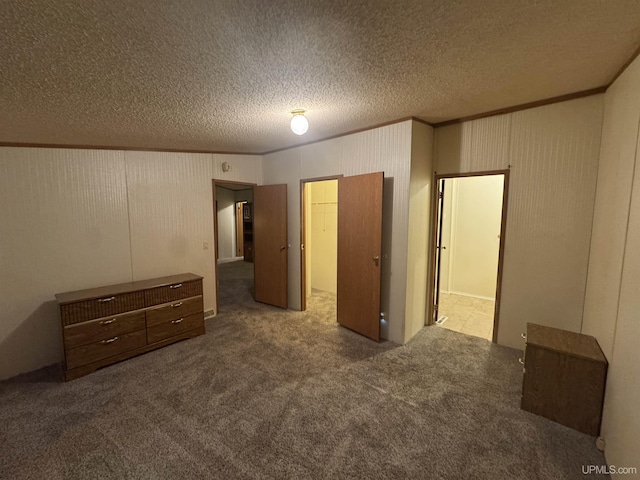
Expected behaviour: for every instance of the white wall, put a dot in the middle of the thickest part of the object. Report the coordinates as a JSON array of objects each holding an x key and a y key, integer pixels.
[
  {"x": 322, "y": 253},
  {"x": 420, "y": 191},
  {"x": 226, "y": 202},
  {"x": 386, "y": 149},
  {"x": 612, "y": 298},
  {"x": 170, "y": 200},
  {"x": 476, "y": 215},
  {"x": 553, "y": 151},
  {"x": 244, "y": 195},
  {"x": 308, "y": 239},
  {"x": 65, "y": 226},
  {"x": 76, "y": 219},
  {"x": 445, "y": 253},
  {"x": 284, "y": 168}
]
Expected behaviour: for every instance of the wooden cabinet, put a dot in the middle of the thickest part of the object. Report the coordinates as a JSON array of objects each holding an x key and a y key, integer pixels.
[
  {"x": 564, "y": 377},
  {"x": 247, "y": 228},
  {"x": 105, "y": 325}
]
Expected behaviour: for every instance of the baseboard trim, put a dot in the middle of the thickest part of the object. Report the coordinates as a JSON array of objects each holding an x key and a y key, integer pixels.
[{"x": 480, "y": 297}]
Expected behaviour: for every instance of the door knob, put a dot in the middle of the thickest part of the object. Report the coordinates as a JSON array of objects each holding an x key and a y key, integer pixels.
[{"x": 376, "y": 259}]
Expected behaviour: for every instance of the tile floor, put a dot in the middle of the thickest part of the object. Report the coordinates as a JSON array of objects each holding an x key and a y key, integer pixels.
[{"x": 473, "y": 316}]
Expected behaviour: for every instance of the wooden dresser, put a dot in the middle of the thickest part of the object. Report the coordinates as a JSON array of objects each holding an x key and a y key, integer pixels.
[
  {"x": 105, "y": 325},
  {"x": 564, "y": 377}
]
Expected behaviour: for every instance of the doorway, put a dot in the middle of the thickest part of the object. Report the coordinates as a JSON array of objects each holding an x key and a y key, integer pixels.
[
  {"x": 352, "y": 207},
  {"x": 469, "y": 228},
  {"x": 319, "y": 275},
  {"x": 233, "y": 223},
  {"x": 260, "y": 274}
]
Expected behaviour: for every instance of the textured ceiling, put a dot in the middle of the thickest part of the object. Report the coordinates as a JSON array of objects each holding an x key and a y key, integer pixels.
[{"x": 224, "y": 75}]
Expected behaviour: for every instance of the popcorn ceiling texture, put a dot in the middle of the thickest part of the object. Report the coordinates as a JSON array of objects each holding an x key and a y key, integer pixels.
[{"x": 224, "y": 75}]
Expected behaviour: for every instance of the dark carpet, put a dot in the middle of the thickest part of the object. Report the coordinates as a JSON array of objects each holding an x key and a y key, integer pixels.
[{"x": 268, "y": 393}]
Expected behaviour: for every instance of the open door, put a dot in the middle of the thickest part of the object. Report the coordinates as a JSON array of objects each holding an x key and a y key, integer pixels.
[
  {"x": 359, "y": 253},
  {"x": 439, "y": 248},
  {"x": 270, "y": 245},
  {"x": 239, "y": 230}
]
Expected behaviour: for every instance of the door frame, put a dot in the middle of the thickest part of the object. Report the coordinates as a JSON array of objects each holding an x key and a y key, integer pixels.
[
  {"x": 433, "y": 244},
  {"x": 214, "y": 182},
  {"x": 303, "y": 243},
  {"x": 239, "y": 228}
]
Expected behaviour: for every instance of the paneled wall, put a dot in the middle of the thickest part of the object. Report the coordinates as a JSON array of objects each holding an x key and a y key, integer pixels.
[
  {"x": 242, "y": 168},
  {"x": 74, "y": 219},
  {"x": 386, "y": 149},
  {"x": 553, "y": 153},
  {"x": 171, "y": 216},
  {"x": 64, "y": 226},
  {"x": 612, "y": 299}
]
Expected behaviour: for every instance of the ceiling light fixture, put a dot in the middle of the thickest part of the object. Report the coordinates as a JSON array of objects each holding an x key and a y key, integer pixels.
[{"x": 299, "y": 123}]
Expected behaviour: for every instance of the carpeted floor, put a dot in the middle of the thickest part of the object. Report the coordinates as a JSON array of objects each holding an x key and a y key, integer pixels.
[{"x": 268, "y": 393}]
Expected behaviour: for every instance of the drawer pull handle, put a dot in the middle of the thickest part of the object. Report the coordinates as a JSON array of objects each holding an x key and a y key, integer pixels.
[
  {"x": 105, "y": 300},
  {"x": 176, "y": 286},
  {"x": 521, "y": 361},
  {"x": 111, "y": 340},
  {"x": 175, "y": 322},
  {"x": 523, "y": 335},
  {"x": 176, "y": 305},
  {"x": 108, "y": 322}
]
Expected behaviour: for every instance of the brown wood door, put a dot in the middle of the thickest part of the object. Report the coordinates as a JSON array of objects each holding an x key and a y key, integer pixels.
[
  {"x": 359, "y": 253},
  {"x": 239, "y": 230},
  {"x": 270, "y": 252}
]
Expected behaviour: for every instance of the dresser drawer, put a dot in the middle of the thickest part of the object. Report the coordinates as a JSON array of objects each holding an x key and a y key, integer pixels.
[
  {"x": 171, "y": 293},
  {"x": 102, "y": 329},
  {"x": 173, "y": 311},
  {"x": 95, "y": 351},
  {"x": 169, "y": 328},
  {"x": 72, "y": 313}
]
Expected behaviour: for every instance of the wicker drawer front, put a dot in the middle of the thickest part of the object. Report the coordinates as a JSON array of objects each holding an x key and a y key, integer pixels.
[
  {"x": 76, "y": 357},
  {"x": 171, "y": 293},
  {"x": 100, "y": 307},
  {"x": 170, "y": 328},
  {"x": 93, "y": 331},
  {"x": 173, "y": 311}
]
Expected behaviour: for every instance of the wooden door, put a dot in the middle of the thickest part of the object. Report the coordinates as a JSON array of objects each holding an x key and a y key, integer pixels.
[
  {"x": 359, "y": 253},
  {"x": 270, "y": 252},
  {"x": 239, "y": 230}
]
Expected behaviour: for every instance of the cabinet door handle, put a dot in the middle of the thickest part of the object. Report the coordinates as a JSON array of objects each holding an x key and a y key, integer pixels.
[
  {"x": 176, "y": 286},
  {"x": 175, "y": 322},
  {"x": 376, "y": 259},
  {"x": 521, "y": 361},
  {"x": 111, "y": 340},
  {"x": 108, "y": 322},
  {"x": 104, "y": 300},
  {"x": 523, "y": 335},
  {"x": 176, "y": 305}
]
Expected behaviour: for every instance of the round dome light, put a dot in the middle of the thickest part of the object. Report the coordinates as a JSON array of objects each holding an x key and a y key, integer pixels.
[{"x": 299, "y": 123}]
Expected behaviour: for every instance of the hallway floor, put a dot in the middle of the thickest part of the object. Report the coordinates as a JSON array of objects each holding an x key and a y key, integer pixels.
[{"x": 468, "y": 315}]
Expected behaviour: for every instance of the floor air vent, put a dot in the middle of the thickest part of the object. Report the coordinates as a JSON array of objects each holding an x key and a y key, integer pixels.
[{"x": 442, "y": 319}]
